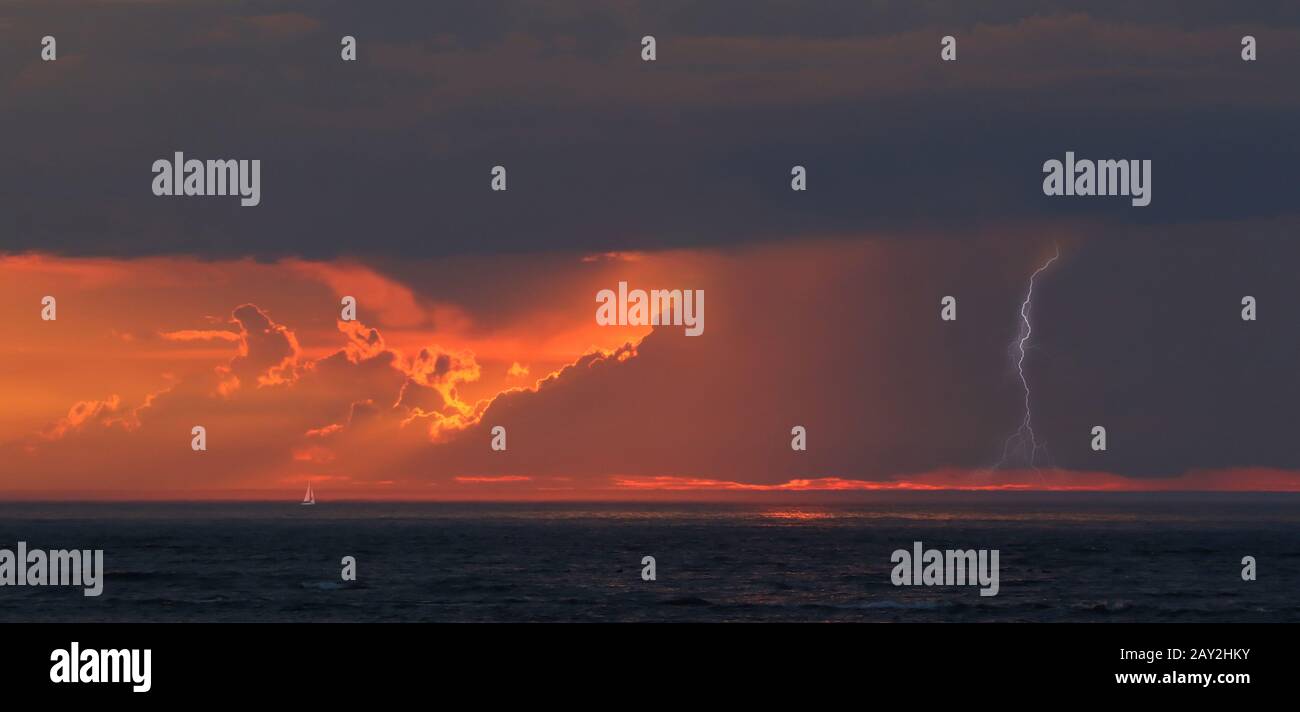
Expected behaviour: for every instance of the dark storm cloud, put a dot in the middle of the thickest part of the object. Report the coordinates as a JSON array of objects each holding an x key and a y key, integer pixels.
[
  {"x": 846, "y": 340},
  {"x": 391, "y": 155},
  {"x": 1146, "y": 338}
]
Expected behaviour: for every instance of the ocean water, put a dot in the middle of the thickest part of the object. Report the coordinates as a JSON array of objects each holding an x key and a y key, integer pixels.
[{"x": 1063, "y": 557}]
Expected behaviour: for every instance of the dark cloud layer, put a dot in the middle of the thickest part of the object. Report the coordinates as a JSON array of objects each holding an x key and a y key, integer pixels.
[
  {"x": 391, "y": 155},
  {"x": 1147, "y": 341}
]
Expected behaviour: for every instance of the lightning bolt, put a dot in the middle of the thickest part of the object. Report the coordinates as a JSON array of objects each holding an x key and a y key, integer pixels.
[{"x": 1023, "y": 442}]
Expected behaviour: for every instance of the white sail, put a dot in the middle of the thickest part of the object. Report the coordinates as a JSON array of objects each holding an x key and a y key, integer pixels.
[{"x": 310, "y": 497}]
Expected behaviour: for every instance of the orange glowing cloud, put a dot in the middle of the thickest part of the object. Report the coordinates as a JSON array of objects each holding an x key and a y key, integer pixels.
[
  {"x": 392, "y": 303},
  {"x": 200, "y": 335},
  {"x": 403, "y": 406},
  {"x": 274, "y": 399}
]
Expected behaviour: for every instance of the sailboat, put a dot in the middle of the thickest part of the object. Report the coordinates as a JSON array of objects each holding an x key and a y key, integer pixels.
[{"x": 310, "y": 497}]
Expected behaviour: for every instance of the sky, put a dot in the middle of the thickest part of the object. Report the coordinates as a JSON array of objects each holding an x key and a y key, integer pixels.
[{"x": 475, "y": 308}]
